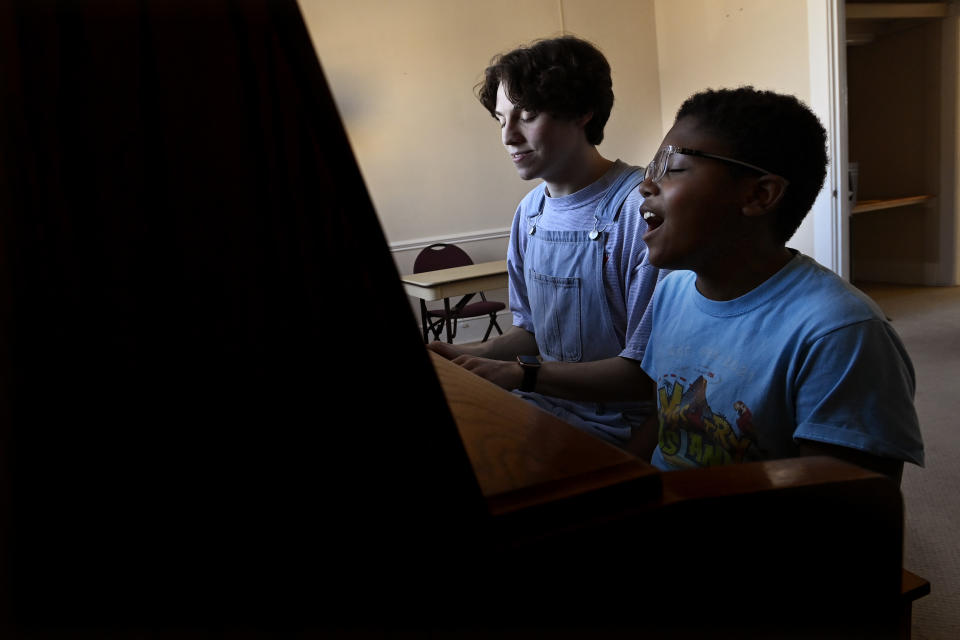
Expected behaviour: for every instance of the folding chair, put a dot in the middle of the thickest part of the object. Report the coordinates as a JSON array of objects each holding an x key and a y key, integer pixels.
[{"x": 446, "y": 256}]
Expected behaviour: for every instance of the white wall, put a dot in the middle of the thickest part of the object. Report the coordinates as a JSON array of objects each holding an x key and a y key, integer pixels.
[{"x": 403, "y": 75}]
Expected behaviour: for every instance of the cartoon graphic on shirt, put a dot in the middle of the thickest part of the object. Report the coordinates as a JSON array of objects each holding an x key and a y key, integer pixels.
[{"x": 692, "y": 433}]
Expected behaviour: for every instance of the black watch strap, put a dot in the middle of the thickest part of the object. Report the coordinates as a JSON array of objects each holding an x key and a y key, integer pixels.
[{"x": 531, "y": 367}]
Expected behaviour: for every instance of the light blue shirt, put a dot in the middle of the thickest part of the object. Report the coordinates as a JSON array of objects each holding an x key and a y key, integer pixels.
[{"x": 804, "y": 356}]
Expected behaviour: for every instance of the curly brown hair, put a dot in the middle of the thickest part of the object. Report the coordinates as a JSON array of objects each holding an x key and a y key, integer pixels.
[{"x": 566, "y": 77}]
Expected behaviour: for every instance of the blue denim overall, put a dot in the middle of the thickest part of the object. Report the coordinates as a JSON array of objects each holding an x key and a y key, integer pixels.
[{"x": 564, "y": 277}]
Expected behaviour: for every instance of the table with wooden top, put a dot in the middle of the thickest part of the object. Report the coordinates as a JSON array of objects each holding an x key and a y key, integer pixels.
[{"x": 444, "y": 284}]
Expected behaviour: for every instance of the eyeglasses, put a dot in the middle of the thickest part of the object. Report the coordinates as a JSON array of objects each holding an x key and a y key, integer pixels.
[{"x": 658, "y": 167}]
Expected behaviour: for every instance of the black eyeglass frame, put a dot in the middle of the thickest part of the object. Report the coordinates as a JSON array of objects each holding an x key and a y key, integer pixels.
[{"x": 669, "y": 150}]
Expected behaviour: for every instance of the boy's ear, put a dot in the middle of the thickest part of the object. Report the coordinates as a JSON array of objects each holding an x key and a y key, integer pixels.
[
  {"x": 765, "y": 195},
  {"x": 584, "y": 119}
]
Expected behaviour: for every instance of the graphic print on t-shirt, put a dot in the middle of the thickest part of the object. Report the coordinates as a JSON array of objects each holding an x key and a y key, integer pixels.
[{"x": 693, "y": 434}]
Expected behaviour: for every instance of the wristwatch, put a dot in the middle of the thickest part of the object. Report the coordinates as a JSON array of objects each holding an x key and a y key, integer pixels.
[{"x": 531, "y": 367}]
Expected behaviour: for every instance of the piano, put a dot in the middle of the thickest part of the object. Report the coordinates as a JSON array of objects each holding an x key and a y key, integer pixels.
[{"x": 196, "y": 436}]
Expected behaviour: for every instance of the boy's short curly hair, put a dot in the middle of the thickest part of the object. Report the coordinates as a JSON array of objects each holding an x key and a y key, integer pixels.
[
  {"x": 566, "y": 77},
  {"x": 771, "y": 130}
]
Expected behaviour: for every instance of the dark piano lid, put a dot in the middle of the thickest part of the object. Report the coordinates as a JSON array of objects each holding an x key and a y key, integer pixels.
[{"x": 215, "y": 400}]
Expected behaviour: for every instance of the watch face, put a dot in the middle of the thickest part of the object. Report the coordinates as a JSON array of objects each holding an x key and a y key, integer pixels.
[{"x": 529, "y": 360}]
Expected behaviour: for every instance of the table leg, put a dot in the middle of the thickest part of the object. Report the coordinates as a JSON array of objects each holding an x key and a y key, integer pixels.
[{"x": 446, "y": 308}]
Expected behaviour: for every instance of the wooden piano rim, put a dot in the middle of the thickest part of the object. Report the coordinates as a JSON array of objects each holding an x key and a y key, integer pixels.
[{"x": 524, "y": 457}]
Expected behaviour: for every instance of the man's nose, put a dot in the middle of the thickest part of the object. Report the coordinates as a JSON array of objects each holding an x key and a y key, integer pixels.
[
  {"x": 648, "y": 188},
  {"x": 510, "y": 134}
]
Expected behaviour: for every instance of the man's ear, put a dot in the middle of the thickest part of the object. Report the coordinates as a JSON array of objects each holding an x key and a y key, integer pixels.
[
  {"x": 584, "y": 119},
  {"x": 765, "y": 195}
]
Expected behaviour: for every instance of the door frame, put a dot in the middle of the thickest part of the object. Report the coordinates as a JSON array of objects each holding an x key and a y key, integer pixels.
[{"x": 826, "y": 21}]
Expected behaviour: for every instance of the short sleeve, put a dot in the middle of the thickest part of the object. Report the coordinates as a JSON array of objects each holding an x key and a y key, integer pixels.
[{"x": 855, "y": 389}]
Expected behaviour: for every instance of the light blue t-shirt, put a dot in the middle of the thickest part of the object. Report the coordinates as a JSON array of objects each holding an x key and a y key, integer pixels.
[{"x": 803, "y": 356}]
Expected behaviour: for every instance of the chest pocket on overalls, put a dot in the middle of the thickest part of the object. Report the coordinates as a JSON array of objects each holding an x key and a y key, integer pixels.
[{"x": 555, "y": 304}]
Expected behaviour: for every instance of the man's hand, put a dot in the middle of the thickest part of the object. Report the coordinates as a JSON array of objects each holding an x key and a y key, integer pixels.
[
  {"x": 446, "y": 350},
  {"x": 611, "y": 380},
  {"x": 503, "y": 373},
  {"x": 506, "y": 347}
]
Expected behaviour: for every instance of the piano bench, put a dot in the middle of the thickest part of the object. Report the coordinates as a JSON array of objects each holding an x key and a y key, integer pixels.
[{"x": 912, "y": 587}]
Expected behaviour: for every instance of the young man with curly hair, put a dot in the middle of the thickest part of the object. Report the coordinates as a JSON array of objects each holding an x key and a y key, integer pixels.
[{"x": 580, "y": 282}]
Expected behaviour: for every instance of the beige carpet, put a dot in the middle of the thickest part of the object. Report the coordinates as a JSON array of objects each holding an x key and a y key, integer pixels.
[{"x": 928, "y": 321}]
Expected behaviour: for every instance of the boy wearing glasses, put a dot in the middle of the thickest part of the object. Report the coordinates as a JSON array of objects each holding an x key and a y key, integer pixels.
[
  {"x": 580, "y": 282},
  {"x": 757, "y": 351}
]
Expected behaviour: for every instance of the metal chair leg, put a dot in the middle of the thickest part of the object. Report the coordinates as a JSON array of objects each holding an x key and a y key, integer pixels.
[
  {"x": 490, "y": 326},
  {"x": 436, "y": 328},
  {"x": 423, "y": 321}
]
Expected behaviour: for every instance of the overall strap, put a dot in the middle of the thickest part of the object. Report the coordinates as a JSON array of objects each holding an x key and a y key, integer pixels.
[
  {"x": 610, "y": 205},
  {"x": 532, "y": 206},
  {"x": 535, "y": 199}
]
